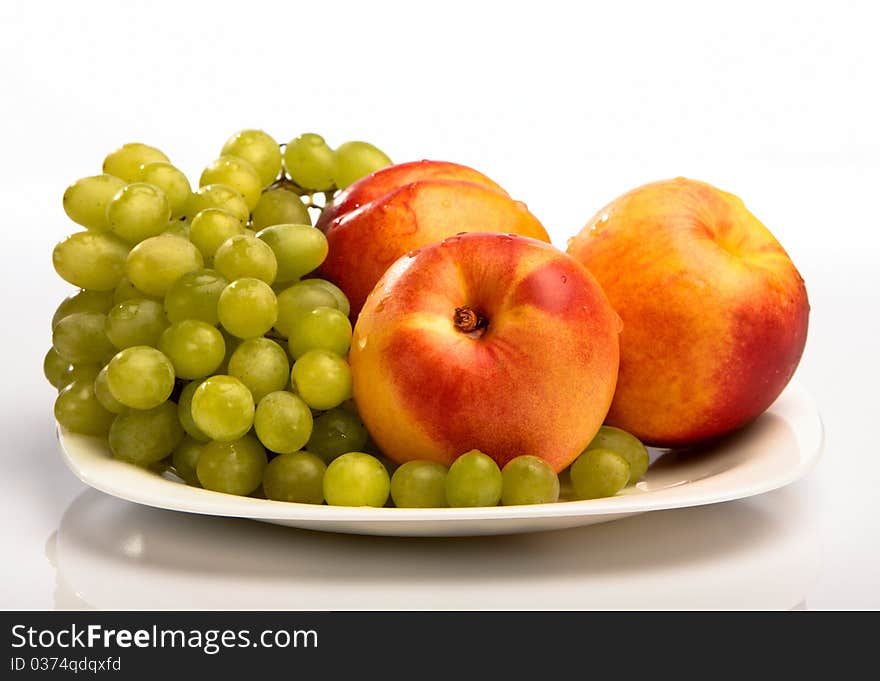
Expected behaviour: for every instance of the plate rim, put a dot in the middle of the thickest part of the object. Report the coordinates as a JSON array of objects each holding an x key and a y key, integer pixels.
[{"x": 97, "y": 472}]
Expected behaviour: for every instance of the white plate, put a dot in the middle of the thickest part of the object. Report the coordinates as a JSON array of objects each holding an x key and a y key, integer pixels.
[{"x": 777, "y": 449}]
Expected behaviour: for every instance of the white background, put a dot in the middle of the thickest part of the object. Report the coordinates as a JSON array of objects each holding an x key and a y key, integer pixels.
[{"x": 567, "y": 107}]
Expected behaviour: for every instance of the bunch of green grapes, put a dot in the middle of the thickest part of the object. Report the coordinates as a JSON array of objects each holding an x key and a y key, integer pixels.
[{"x": 197, "y": 343}]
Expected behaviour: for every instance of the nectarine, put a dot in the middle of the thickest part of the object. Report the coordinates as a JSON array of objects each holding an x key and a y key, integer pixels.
[
  {"x": 714, "y": 311},
  {"x": 365, "y": 240},
  {"x": 392, "y": 177},
  {"x": 493, "y": 342}
]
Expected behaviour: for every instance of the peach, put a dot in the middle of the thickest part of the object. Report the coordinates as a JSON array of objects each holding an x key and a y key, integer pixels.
[
  {"x": 485, "y": 341},
  {"x": 714, "y": 311},
  {"x": 364, "y": 241},
  {"x": 391, "y": 177}
]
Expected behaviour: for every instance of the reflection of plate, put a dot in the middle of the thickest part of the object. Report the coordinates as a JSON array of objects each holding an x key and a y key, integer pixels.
[
  {"x": 758, "y": 553},
  {"x": 778, "y": 448}
]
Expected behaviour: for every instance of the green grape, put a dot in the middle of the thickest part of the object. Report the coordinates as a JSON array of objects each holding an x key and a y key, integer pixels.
[
  {"x": 342, "y": 303},
  {"x": 235, "y": 172},
  {"x": 85, "y": 201},
  {"x": 283, "y": 422},
  {"x": 245, "y": 256},
  {"x": 171, "y": 181},
  {"x": 54, "y": 368},
  {"x": 184, "y": 412},
  {"x": 474, "y": 479},
  {"x": 91, "y": 260},
  {"x": 599, "y": 473},
  {"x": 257, "y": 148},
  {"x": 80, "y": 338},
  {"x": 356, "y": 479},
  {"x": 83, "y": 301},
  {"x": 297, "y": 300},
  {"x": 135, "y": 322},
  {"x": 354, "y": 160},
  {"x": 262, "y": 365},
  {"x": 138, "y": 211},
  {"x": 211, "y": 227},
  {"x": 324, "y": 328},
  {"x": 140, "y": 377},
  {"x": 298, "y": 249},
  {"x": 80, "y": 372},
  {"x": 125, "y": 290},
  {"x": 322, "y": 379},
  {"x": 79, "y": 411},
  {"x": 178, "y": 228},
  {"x": 105, "y": 397},
  {"x": 156, "y": 263},
  {"x": 185, "y": 458},
  {"x": 280, "y": 206},
  {"x": 145, "y": 436},
  {"x": 295, "y": 477},
  {"x": 247, "y": 308},
  {"x": 628, "y": 446},
  {"x": 223, "y": 408},
  {"x": 126, "y": 161},
  {"x": 195, "y": 348},
  {"x": 233, "y": 467},
  {"x": 336, "y": 432},
  {"x": 195, "y": 296},
  {"x": 419, "y": 484},
  {"x": 528, "y": 480},
  {"x": 309, "y": 162},
  {"x": 218, "y": 196}
]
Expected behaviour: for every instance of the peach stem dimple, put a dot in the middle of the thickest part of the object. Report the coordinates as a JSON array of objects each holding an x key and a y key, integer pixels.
[{"x": 467, "y": 320}]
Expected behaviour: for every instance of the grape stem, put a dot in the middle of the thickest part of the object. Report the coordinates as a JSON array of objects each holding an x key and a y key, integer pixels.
[{"x": 469, "y": 321}]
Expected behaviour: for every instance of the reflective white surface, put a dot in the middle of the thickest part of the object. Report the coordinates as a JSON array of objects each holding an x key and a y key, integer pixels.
[
  {"x": 780, "y": 109},
  {"x": 760, "y": 553}
]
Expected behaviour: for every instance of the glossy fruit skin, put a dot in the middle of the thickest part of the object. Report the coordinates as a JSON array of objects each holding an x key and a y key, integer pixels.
[
  {"x": 223, "y": 408},
  {"x": 599, "y": 473},
  {"x": 714, "y": 312},
  {"x": 387, "y": 179},
  {"x": 419, "y": 484},
  {"x": 296, "y": 477},
  {"x": 625, "y": 444},
  {"x": 473, "y": 479},
  {"x": 79, "y": 410},
  {"x": 365, "y": 241},
  {"x": 528, "y": 479},
  {"x": 422, "y": 385},
  {"x": 145, "y": 436},
  {"x": 232, "y": 467},
  {"x": 356, "y": 479}
]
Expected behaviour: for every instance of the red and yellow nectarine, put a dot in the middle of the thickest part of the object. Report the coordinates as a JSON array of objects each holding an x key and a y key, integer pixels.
[
  {"x": 365, "y": 240},
  {"x": 488, "y": 341},
  {"x": 714, "y": 311},
  {"x": 392, "y": 177}
]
